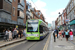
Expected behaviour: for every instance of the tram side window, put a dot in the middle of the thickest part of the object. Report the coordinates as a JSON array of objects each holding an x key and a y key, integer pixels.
[{"x": 41, "y": 29}]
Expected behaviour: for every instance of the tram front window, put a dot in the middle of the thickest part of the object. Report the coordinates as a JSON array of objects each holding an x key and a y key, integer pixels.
[{"x": 32, "y": 27}]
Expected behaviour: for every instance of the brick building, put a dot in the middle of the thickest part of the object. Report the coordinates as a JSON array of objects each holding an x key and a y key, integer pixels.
[{"x": 12, "y": 14}]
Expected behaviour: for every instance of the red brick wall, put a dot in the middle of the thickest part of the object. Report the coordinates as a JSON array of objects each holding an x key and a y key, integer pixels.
[
  {"x": 7, "y": 6},
  {"x": 25, "y": 12},
  {"x": 65, "y": 15},
  {"x": 14, "y": 4}
]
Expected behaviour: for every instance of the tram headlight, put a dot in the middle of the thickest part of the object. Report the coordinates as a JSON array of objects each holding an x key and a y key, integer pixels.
[
  {"x": 28, "y": 35},
  {"x": 36, "y": 35}
]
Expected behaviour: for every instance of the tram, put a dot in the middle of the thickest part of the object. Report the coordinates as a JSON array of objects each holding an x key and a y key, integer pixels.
[{"x": 36, "y": 29}]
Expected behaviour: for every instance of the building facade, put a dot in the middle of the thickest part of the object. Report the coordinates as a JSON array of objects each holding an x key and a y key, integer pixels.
[
  {"x": 15, "y": 13},
  {"x": 53, "y": 24},
  {"x": 71, "y": 14},
  {"x": 12, "y": 14}
]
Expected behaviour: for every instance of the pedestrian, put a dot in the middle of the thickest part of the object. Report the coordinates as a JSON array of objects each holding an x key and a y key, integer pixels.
[
  {"x": 56, "y": 30},
  {"x": 54, "y": 36},
  {"x": 67, "y": 35},
  {"x": 72, "y": 30},
  {"x": 20, "y": 32},
  {"x": 6, "y": 36},
  {"x": 24, "y": 32},
  {"x": 71, "y": 35},
  {"x": 10, "y": 35},
  {"x": 15, "y": 33},
  {"x": 60, "y": 34},
  {"x": 63, "y": 33}
]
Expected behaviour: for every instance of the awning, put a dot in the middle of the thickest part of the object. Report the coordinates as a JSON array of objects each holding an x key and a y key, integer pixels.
[{"x": 72, "y": 22}]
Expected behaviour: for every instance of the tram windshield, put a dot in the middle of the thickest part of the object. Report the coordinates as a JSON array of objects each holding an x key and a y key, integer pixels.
[{"x": 32, "y": 26}]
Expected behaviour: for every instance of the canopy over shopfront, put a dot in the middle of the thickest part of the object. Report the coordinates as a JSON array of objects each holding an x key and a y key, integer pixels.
[{"x": 72, "y": 22}]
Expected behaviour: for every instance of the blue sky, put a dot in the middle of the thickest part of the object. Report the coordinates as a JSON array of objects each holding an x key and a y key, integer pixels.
[{"x": 50, "y": 8}]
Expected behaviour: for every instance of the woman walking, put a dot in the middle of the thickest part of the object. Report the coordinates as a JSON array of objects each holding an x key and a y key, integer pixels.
[
  {"x": 71, "y": 35},
  {"x": 60, "y": 34},
  {"x": 10, "y": 35},
  {"x": 67, "y": 35},
  {"x": 20, "y": 32},
  {"x": 15, "y": 33},
  {"x": 24, "y": 32}
]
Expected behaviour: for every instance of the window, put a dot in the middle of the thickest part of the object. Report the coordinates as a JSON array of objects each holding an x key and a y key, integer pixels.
[
  {"x": 9, "y": 0},
  {"x": 22, "y": 2},
  {"x": 14, "y": 0},
  {"x": 28, "y": 7},
  {"x": 20, "y": 7},
  {"x": 32, "y": 26},
  {"x": 72, "y": 4},
  {"x": 21, "y": 14},
  {"x": 14, "y": 11},
  {"x": 70, "y": 7},
  {"x": 40, "y": 13},
  {"x": 74, "y": 12}
]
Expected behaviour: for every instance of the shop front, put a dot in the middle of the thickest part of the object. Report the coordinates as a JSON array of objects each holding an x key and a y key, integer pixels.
[
  {"x": 8, "y": 24},
  {"x": 72, "y": 25}
]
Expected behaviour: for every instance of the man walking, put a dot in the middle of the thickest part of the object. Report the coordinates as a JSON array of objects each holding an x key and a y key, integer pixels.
[
  {"x": 54, "y": 36},
  {"x": 56, "y": 32}
]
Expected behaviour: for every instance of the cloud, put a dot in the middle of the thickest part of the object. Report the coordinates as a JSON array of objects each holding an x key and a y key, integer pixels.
[
  {"x": 39, "y": 5},
  {"x": 50, "y": 19},
  {"x": 57, "y": 11},
  {"x": 53, "y": 15}
]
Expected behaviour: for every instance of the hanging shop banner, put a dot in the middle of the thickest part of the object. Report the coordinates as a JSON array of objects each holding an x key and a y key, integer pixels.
[
  {"x": 16, "y": 26},
  {"x": 67, "y": 20}
]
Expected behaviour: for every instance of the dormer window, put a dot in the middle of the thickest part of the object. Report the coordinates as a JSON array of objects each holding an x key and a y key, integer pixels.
[{"x": 10, "y": 1}]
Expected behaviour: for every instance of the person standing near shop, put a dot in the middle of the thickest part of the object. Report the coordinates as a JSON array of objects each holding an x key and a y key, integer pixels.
[
  {"x": 60, "y": 34},
  {"x": 54, "y": 36},
  {"x": 15, "y": 33},
  {"x": 6, "y": 36},
  {"x": 10, "y": 35},
  {"x": 56, "y": 31},
  {"x": 24, "y": 32},
  {"x": 71, "y": 35},
  {"x": 20, "y": 32},
  {"x": 67, "y": 35}
]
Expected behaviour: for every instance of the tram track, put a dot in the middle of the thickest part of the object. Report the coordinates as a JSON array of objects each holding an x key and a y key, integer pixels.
[
  {"x": 27, "y": 45},
  {"x": 32, "y": 45}
]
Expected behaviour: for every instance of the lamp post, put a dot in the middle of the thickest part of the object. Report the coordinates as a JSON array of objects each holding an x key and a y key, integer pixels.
[{"x": 59, "y": 21}]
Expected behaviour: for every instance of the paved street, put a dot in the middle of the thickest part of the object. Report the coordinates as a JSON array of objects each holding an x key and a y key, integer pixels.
[
  {"x": 45, "y": 44},
  {"x": 61, "y": 45},
  {"x": 28, "y": 45}
]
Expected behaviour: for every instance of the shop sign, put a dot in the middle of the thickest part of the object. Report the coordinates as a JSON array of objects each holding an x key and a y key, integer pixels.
[
  {"x": 67, "y": 20},
  {"x": 16, "y": 26}
]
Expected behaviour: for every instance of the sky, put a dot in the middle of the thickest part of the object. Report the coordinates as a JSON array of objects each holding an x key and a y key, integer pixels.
[{"x": 50, "y": 8}]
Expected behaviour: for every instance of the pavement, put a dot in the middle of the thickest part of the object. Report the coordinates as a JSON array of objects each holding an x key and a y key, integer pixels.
[
  {"x": 61, "y": 45},
  {"x": 3, "y": 43}
]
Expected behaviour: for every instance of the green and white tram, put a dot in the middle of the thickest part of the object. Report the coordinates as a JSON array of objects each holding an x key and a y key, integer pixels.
[{"x": 36, "y": 29}]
